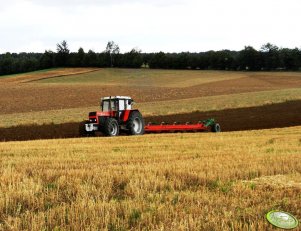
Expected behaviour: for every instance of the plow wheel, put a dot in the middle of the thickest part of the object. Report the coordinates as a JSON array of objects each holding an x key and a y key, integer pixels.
[
  {"x": 216, "y": 128},
  {"x": 135, "y": 124}
]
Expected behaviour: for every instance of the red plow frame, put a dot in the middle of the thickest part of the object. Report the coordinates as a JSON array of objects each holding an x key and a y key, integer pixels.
[{"x": 207, "y": 125}]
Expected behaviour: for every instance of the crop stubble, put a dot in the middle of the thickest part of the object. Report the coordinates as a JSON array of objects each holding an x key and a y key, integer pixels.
[{"x": 154, "y": 182}]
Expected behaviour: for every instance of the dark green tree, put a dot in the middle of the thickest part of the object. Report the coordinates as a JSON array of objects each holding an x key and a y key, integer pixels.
[
  {"x": 80, "y": 57},
  {"x": 62, "y": 54},
  {"x": 6, "y": 64},
  {"x": 249, "y": 59},
  {"x": 132, "y": 59},
  {"x": 270, "y": 54},
  {"x": 91, "y": 59},
  {"x": 291, "y": 58},
  {"x": 47, "y": 60},
  {"x": 158, "y": 60}
]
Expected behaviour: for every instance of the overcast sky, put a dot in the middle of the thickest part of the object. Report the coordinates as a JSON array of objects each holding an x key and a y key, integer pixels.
[{"x": 150, "y": 25}]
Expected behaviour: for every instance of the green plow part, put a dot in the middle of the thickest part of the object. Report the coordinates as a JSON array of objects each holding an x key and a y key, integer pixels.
[{"x": 208, "y": 122}]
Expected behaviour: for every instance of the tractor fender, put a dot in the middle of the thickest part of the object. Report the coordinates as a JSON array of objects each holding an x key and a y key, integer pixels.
[{"x": 127, "y": 114}]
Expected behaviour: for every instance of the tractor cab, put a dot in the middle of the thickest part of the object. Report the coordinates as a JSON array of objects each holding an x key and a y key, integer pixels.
[{"x": 116, "y": 103}]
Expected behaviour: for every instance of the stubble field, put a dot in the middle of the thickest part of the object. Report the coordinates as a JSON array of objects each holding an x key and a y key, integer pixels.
[{"x": 199, "y": 181}]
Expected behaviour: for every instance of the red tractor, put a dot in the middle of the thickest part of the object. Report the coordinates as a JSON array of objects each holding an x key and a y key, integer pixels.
[{"x": 116, "y": 114}]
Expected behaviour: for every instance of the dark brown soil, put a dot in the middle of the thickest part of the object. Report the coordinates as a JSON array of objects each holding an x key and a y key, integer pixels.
[{"x": 269, "y": 116}]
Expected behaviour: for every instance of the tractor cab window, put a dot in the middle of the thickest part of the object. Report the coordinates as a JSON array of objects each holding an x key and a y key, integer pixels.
[
  {"x": 122, "y": 105},
  {"x": 106, "y": 105}
]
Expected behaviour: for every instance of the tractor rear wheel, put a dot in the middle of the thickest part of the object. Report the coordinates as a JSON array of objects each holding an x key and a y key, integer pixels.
[
  {"x": 135, "y": 123},
  {"x": 111, "y": 127},
  {"x": 216, "y": 128}
]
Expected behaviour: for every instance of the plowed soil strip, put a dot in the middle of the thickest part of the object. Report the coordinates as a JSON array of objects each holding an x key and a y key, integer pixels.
[{"x": 263, "y": 117}]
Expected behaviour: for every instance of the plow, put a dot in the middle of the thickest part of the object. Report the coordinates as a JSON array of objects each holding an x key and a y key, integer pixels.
[
  {"x": 117, "y": 116},
  {"x": 205, "y": 125}
]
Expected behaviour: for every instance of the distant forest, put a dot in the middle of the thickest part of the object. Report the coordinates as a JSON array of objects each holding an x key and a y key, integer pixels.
[{"x": 268, "y": 58}]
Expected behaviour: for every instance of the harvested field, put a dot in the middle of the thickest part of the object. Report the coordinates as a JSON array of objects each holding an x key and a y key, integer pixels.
[
  {"x": 147, "y": 78},
  {"x": 197, "y": 181},
  {"x": 35, "y": 97},
  {"x": 262, "y": 117},
  {"x": 173, "y": 78}
]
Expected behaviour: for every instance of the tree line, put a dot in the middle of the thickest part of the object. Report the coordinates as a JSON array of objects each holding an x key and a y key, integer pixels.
[{"x": 268, "y": 58}]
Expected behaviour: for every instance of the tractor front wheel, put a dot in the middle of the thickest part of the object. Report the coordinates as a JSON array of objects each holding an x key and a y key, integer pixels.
[
  {"x": 111, "y": 127},
  {"x": 135, "y": 123}
]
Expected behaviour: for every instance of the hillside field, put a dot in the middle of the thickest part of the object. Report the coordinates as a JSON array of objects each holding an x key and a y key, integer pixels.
[
  {"x": 51, "y": 103},
  {"x": 40, "y": 93}
]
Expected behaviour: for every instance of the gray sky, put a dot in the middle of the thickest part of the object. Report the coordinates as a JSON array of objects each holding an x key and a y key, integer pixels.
[{"x": 152, "y": 26}]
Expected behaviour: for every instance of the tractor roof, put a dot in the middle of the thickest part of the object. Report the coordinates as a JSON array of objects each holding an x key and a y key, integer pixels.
[{"x": 116, "y": 97}]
